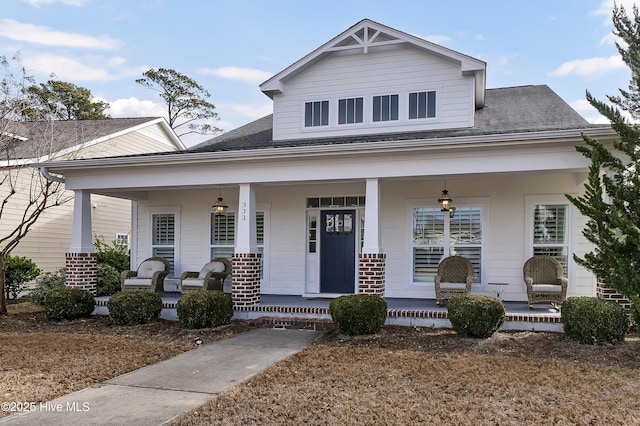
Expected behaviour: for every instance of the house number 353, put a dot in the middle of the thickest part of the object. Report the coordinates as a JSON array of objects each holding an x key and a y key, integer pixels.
[{"x": 243, "y": 211}]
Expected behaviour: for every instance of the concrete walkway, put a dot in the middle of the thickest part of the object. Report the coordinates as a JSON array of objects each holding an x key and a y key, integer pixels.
[{"x": 158, "y": 393}]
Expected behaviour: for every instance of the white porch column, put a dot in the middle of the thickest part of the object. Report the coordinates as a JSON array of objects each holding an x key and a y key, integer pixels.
[
  {"x": 245, "y": 288},
  {"x": 372, "y": 242},
  {"x": 371, "y": 265},
  {"x": 246, "y": 240},
  {"x": 81, "y": 263}
]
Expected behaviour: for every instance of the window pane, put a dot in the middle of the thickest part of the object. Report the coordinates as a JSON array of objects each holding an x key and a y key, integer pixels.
[
  {"x": 473, "y": 254},
  {"x": 342, "y": 111},
  {"x": 385, "y": 108},
  {"x": 377, "y": 108},
  {"x": 163, "y": 229},
  {"x": 422, "y": 104},
  {"x": 167, "y": 253},
  {"x": 316, "y": 113},
  {"x": 425, "y": 263},
  {"x": 324, "y": 113},
  {"x": 431, "y": 104},
  {"x": 466, "y": 226},
  {"x": 394, "y": 107},
  {"x": 223, "y": 230},
  {"x": 559, "y": 253},
  {"x": 260, "y": 228},
  {"x": 428, "y": 226},
  {"x": 359, "y": 110},
  {"x": 308, "y": 114},
  {"x": 550, "y": 224},
  {"x": 413, "y": 105}
]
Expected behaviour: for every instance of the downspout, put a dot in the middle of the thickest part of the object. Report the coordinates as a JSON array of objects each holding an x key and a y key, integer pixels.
[{"x": 44, "y": 171}]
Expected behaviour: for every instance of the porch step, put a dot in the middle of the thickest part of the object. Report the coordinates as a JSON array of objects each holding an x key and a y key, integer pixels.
[{"x": 290, "y": 323}]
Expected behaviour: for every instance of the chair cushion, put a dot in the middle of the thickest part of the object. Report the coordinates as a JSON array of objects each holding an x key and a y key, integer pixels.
[
  {"x": 453, "y": 286},
  {"x": 193, "y": 282},
  {"x": 546, "y": 287},
  {"x": 211, "y": 267},
  {"x": 150, "y": 267},
  {"x": 138, "y": 281}
]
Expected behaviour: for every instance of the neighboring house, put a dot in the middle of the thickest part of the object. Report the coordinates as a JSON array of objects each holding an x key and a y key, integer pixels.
[
  {"x": 50, "y": 238},
  {"x": 337, "y": 192}
]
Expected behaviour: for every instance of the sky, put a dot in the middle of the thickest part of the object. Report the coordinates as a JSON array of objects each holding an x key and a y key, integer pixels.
[{"x": 231, "y": 46}]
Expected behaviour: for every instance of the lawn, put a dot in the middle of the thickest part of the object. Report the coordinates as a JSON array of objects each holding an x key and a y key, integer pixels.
[{"x": 402, "y": 375}]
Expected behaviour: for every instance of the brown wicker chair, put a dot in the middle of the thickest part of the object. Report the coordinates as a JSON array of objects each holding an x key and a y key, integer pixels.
[
  {"x": 545, "y": 280},
  {"x": 210, "y": 277},
  {"x": 455, "y": 276},
  {"x": 149, "y": 276}
]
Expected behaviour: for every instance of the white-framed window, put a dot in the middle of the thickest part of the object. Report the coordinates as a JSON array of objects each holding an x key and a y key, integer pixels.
[
  {"x": 164, "y": 235},
  {"x": 422, "y": 104},
  {"x": 385, "y": 107},
  {"x": 350, "y": 110},
  {"x": 437, "y": 235},
  {"x": 316, "y": 113},
  {"x": 122, "y": 239},
  {"x": 549, "y": 223}
]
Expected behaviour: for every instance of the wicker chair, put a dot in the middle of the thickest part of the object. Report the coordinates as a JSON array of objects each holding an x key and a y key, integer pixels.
[
  {"x": 545, "y": 280},
  {"x": 149, "y": 276},
  {"x": 455, "y": 276},
  {"x": 210, "y": 277}
]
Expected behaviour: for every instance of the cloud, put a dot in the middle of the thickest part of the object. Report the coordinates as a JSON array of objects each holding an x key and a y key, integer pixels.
[
  {"x": 89, "y": 68},
  {"x": 134, "y": 107},
  {"x": 253, "y": 111},
  {"x": 247, "y": 75},
  {"x": 37, "y": 34},
  {"x": 589, "y": 67},
  {"x": 38, "y": 3}
]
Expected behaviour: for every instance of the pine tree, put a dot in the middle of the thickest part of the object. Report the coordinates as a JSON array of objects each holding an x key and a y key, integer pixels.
[{"x": 614, "y": 225}]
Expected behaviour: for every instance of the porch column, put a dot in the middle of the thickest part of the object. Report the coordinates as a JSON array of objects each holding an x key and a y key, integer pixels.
[
  {"x": 81, "y": 260},
  {"x": 245, "y": 287},
  {"x": 371, "y": 275}
]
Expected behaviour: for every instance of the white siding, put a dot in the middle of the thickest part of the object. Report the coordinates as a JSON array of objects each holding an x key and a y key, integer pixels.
[{"x": 383, "y": 71}]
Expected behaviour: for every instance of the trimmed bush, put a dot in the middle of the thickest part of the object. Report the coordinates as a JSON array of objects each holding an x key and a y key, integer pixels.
[
  {"x": 134, "y": 307},
  {"x": 634, "y": 312},
  {"x": 19, "y": 270},
  {"x": 68, "y": 304},
  {"x": 45, "y": 283},
  {"x": 594, "y": 321},
  {"x": 357, "y": 314},
  {"x": 204, "y": 309},
  {"x": 476, "y": 315},
  {"x": 108, "y": 280}
]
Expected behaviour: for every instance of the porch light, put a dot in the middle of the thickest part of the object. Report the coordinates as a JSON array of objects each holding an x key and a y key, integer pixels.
[
  {"x": 446, "y": 201},
  {"x": 220, "y": 208}
]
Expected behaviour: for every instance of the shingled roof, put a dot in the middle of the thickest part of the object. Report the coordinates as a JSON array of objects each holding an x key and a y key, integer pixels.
[
  {"x": 35, "y": 139},
  {"x": 507, "y": 110}
]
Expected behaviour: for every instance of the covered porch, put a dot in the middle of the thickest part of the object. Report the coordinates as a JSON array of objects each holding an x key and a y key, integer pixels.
[{"x": 282, "y": 311}]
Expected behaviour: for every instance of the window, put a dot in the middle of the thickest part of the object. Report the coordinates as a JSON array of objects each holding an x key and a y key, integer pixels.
[
  {"x": 122, "y": 240},
  {"x": 422, "y": 105},
  {"x": 164, "y": 236},
  {"x": 550, "y": 231},
  {"x": 436, "y": 235},
  {"x": 385, "y": 108},
  {"x": 316, "y": 113},
  {"x": 350, "y": 111}
]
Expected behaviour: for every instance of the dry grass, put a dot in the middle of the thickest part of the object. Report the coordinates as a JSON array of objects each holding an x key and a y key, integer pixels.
[
  {"x": 421, "y": 376},
  {"x": 400, "y": 376}
]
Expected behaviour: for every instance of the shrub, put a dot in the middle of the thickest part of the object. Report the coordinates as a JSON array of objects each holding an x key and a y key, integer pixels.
[
  {"x": 116, "y": 255},
  {"x": 134, "y": 307},
  {"x": 45, "y": 283},
  {"x": 594, "y": 321},
  {"x": 357, "y": 314},
  {"x": 204, "y": 309},
  {"x": 68, "y": 304},
  {"x": 108, "y": 280},
  {"x": 634, "y": 311},
  {"x": 476, "y": 315},
  {"x": 19, "y": 270}
]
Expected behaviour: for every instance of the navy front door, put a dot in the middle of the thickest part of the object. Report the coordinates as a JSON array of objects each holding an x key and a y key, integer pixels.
[{"x": 337, "y": 251}]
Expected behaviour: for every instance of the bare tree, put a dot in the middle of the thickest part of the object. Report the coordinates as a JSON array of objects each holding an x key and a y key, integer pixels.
[{"x": 24, "y": 193}]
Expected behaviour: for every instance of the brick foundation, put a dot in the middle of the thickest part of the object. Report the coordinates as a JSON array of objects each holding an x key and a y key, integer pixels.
[
  {"x": 245, "y": 288},
  {"x": 372, "y": 274},
  {"x": 603, "y": 292},
  {"x": 82, "y": 271}
]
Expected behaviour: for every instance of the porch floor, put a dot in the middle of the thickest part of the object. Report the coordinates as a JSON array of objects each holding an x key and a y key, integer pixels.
[{"x": 286, "y": 310}]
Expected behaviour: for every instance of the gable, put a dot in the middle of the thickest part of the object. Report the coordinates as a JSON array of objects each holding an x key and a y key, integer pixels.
[{"x": 343, "y": 88}]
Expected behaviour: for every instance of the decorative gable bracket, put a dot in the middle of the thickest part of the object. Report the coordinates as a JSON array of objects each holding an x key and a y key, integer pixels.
[{"x": 364, "y": 38}]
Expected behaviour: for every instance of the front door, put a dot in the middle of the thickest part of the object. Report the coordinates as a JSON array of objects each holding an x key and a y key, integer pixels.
[{"x": 337, "y": 251}]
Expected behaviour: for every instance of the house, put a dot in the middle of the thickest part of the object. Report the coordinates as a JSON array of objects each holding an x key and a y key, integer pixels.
[
  {"x": 338, "y": 191},
  {"x": 50, "y": 237}
]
